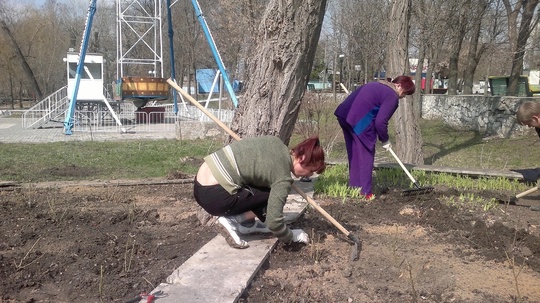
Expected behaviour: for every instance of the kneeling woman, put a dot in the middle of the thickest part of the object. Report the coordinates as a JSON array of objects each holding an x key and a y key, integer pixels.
[{"x": 251, "y": 179}]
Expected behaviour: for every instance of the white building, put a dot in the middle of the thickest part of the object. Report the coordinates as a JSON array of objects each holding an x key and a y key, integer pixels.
[{"x": 91, "y": 83}]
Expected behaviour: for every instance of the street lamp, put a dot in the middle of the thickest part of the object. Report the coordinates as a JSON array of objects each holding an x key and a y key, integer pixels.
[{"x": 341, "y": 57}]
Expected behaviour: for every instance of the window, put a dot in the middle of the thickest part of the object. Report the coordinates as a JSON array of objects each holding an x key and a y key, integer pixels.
[{"x": 93, "y": 68}]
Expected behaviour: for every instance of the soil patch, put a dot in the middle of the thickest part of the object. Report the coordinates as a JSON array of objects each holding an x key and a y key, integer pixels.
[{"x": 109, "y": 243}]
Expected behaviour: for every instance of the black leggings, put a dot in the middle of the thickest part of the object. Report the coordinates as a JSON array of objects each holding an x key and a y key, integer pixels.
[{"x": 218, "y": 202}]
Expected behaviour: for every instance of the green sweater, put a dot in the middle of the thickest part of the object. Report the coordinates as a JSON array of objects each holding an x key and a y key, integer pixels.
[{"x": 262, "y": 162}]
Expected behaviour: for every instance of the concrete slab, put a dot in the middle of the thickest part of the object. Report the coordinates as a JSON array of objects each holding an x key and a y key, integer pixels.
[{"x": 218, "y": 273}]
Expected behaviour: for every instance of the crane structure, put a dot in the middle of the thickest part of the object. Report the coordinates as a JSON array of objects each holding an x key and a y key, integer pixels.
[{"x": 139, "y": 56}]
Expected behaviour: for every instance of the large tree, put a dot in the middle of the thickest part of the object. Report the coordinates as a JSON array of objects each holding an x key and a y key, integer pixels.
[
  {"x": 279, "y": 68},
  {"x": 408, "y": 137}
]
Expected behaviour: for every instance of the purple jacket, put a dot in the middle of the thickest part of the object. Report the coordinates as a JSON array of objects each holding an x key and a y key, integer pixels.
[{"x": 367, "y": 110}]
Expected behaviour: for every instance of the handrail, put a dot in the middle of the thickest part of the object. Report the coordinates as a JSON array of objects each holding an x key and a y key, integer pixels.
[{"x": 46, "y": 108}]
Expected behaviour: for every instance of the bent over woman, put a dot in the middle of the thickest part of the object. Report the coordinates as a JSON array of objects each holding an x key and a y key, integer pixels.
[
  {"x": 363, "y": 117},
  {"x": 251, "y": 179}
]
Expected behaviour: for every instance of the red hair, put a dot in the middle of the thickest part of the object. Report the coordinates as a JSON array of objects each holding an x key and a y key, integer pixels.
[
  {"x": 312, "y": 152},
  {"x": 406, "y": 82}
]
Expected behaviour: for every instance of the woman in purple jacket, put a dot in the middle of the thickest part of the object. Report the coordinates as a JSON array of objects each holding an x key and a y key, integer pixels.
[{"x": 364, "y": 116}]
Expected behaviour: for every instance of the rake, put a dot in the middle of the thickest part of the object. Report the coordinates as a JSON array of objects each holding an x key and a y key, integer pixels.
[{"x": 417, "y": 190}]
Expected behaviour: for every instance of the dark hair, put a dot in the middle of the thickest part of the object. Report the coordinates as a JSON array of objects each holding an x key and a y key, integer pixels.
[
  {"x": 312, "y": 152},
  {"x": 406, "y": 82}
]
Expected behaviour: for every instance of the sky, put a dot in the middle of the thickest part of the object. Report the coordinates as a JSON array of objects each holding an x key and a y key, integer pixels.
[{"x": 36, "y": 3}]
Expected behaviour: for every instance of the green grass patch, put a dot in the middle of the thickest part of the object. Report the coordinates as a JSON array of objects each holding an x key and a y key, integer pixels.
[
  {"x": 334, "y": 183},
  {"x": 101, "y": 160},
  {"x": 445, "y": 146}
]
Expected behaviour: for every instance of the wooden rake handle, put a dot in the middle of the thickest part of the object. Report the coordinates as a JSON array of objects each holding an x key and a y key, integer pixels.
[
  {"x": 527, "y": 192},
  {"x": 403, "y": 166},
  {"x": 236, "y": 137}
]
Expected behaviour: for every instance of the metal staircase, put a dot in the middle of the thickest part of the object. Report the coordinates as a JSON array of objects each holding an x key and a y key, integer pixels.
[{"x": 51, "y": 109}]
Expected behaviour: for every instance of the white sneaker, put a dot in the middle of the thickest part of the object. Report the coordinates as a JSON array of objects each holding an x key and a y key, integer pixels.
[
  {"x": 256, "y": 227},
  {"x": 227, "y": 228}
]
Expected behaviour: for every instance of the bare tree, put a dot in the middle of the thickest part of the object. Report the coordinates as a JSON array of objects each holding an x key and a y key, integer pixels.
[
  {"x": 477, "y": 47},
  {"x": 20, "y": 58},
  {"x": 286, "y": 41},
  {"x": 235, "y": 22},
  {"x": 362, "y": 24},
  {"x": 523, "y": 11},
  {"x": 430, "y": 33},
  {"x": 458, "y": 29}
]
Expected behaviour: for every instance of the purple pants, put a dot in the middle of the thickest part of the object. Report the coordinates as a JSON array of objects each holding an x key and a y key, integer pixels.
[{"x": 361, "y": 159}]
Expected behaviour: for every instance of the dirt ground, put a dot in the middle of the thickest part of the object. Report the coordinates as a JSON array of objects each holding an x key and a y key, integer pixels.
[{"x": 89, "y": 243}]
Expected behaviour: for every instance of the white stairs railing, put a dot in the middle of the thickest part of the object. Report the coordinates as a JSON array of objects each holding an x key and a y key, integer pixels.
[{"x": 52, "y": 108}]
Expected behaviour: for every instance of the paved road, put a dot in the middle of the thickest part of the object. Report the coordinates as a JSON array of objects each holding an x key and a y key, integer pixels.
[{"x": 11, "y": 131}]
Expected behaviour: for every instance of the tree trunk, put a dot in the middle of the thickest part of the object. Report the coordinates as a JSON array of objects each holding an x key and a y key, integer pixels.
[
  {"x": 525, "y": 30},
  {"x": 279, "y": 68},
  {"x": 458, "y": 32},
  {"x": 26, "y": 68},
  {"x": 417, "y": 96},
  {"x": 474, "y": 54},
  {"x": 408, "y": 137},
  {"x": 11, "y": 93}
]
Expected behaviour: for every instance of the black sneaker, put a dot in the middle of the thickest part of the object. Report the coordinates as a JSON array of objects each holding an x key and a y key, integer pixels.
[{"x": 227, "y": 228}]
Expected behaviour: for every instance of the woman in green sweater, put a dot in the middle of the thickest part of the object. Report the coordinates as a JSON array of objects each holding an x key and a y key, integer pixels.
[{"x": 251, "y": 179}]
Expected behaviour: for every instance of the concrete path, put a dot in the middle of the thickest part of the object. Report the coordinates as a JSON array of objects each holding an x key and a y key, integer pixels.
[{"x": 11, "y": 131}]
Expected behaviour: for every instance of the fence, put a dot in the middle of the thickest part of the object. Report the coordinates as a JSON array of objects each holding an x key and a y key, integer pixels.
[{"x": 159, "y": 118}]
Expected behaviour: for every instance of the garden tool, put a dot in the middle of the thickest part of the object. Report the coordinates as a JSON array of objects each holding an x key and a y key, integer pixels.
[
  {"x": 529, "y": 191},
  {"x": 417, "y": 190},
  {"x": 357, "y": 245}
]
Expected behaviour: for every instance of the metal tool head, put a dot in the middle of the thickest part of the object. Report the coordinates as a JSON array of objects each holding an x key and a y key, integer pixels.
[
  {"x": 356, "y": 248},
  {"x": 417, "y": 191}
]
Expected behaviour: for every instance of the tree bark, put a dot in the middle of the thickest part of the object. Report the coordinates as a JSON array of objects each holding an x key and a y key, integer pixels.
[
  {"x": 408, "y": 137},
  {"x": 279, "y": 68},
  {"x": 458, "y": 31},
  {"x": 526, "y": 26},
  {"x": 16, "y": 49},
  {"x": 417, "y": 96},
  {"x": 475, "y": 52}
]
